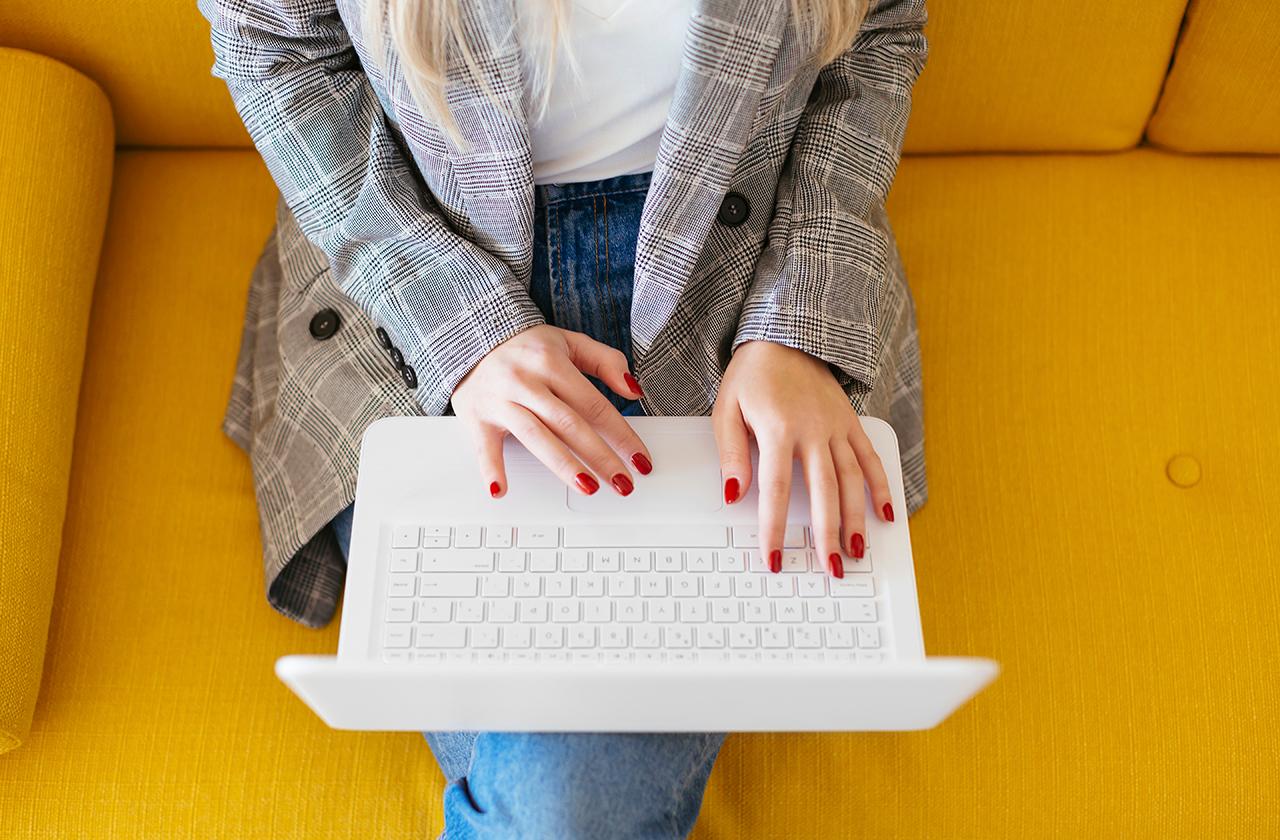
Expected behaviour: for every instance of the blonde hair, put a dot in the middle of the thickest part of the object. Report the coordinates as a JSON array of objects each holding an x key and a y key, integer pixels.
[{"x": 423, "y": 31}]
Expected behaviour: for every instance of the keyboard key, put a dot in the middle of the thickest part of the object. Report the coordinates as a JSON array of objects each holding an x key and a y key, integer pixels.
[
  {"x": 710, "y": 636},
  {"x": 447, "y": 586},
  {"x": 403, "y": 561},
  {"x": 533, "y": 612},
  {"x": 550, "y": 636},
  {"x": 677, "y": 636},
  {"x": 498, "y": 536},
  {"x": 653, "y": 586},
  {"x": 637, "y": 561},
  {"x": 566, "y": 611},
  {"x": 725, "y": 612},
  {"x": 731, "y": 561},
  {"x": 777, "y": 586},
  {"x": 582, "y": 637},
  {"x": 400, "y": 611},
  {"x": 401, "y": 587},
  {"x": 756, "y": 563},
  {"x": 862, "y": 566},
  {"x": 822, "y": 612},
  {"x": 574, "y": 560},
  {"x": 793, "y": 537},
  {"x": 598, "y": 611},
  {"x": 684, "y": 586},
  {"x": 806, "y": 637},
  {"x": 502, "y": 611},
  {"x": 662, "y": 612},
  {"x": 613, "y": 636},
  {"x": 746, "y": 536},
  {"x": 397, "y": 636},
  {"x": 543, "y": 560},
  {"x": 469, "y": 612},
  {"x": 773, "y": 636},
  {"x": 694, "y": 612},
  {"x": 495, "y": 586},
  {"x": 557, "y": 586},
  {"x": 757, "y": 612},
  {"x": 795, "y": 561},
  {"x": 859, "y": 611},
  {"x": 667, "y": 560},
  {"x": 517, "y": 636},
  {"x": 857, "y": 586},
  {"x": 456, "y": 561},
  {"x": 405, "y": 536},
  {"x": 646, "y": 636},
  {"x": 435, "y": 610},
  {"x": 838, "y": 636},
  {"x": 441, "y": 636},
  {"x": 630, "y": 610},
  {"x": 526, "y": 586},
  {"x": 606, "y": 560},
  {"x": 789, "y": 612},
  {"x": 868, "y": 636},
  {"x": 484, "y": 637},
  {"x": 510, "y": 560},
  {"x": 716, "y": 585},
  {"x": 693, "y": 535},
  {"x": 811, "y": 585},
  {"x": 699, "y": 560},
  {"x": 537, "y": 536},
  {"x": 589, "y": 586},
  {"x": 467, "y": 536},
  {"x": 748, "y": 586},
  {"x": 742, "y": 636},
  {"x": 622, "y": 586}
]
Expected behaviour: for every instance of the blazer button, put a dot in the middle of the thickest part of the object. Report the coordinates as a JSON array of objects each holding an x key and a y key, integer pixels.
[
  {"x": 397, "y": 358},
  {"x": 410, "y": 378},
  {"x": 324, "y": 324},
  {"x": 734, "y": 210},
  {"x": 383, "y": 338}
]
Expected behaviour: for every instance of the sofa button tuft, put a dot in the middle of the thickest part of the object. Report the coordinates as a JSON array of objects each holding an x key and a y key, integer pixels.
[
  {"x": 324, "y": 324},
  {"x": 1183, "y": 470}
]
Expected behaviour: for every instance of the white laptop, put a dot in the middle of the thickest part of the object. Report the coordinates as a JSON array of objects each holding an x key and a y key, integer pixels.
[{"x": 547, "y": 610}]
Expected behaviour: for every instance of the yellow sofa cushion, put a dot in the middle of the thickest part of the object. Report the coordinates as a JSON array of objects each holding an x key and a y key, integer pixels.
[
  {"x": 1221, "y": 94},
  {"x": 1090, "y": 326},
  {"x": 1038, "y": 75},
  {"x": 1026, "y": 75},
  {"x": 55, "y": 174}
]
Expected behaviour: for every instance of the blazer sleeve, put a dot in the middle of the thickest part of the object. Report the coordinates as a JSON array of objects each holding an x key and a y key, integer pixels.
[
  {"x": 829, "y": 250},
  {"x": 313, "y": 115}
]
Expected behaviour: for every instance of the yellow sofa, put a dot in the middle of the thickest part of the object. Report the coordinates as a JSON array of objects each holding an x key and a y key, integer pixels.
[{"x": 1098, "y": 311}]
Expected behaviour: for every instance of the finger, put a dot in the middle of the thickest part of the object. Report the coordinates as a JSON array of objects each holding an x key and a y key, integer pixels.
[
  {"x": 734, "y": 444},
  {"x": 488, "y": 442},
  {"x": 529, "y": 429},
  {"x": 776, "y": 456},
  {"x": 873, "y": 471},
  {"x": 824, "y": 503},
  {"x": 579, "y": 435},
  {"x": 853, "y": 499},
  {"x": 583, "y": 397},
  {"x": 608, "y": 364}
]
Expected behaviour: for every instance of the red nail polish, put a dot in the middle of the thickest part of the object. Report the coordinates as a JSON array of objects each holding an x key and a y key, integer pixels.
[
  {"x": 641, "y": 463},
  {"x": 856, "y": 546},
  {"x": 494, "y": 489},
  {"x": 888, "y": 511},
  {"x": 837, "y": 565},
  {"x": 775, "y": 561},
  {"x": 587, "y": 483},
  {"x": 622, "y": 484},
  {"x": 730, "y": 491},
  {"x": 633, "y": 384}
]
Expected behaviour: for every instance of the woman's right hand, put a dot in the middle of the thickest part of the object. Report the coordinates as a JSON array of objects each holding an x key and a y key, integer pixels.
[{"x": 533, "y": 386}]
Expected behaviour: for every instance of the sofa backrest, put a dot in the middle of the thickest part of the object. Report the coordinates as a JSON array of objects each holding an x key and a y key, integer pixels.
[{"x": 1004, "y": 75}]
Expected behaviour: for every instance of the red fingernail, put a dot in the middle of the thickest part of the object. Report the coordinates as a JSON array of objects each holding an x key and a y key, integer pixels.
[
  {"x": 587, "y": 483},
  {"x": 632, "y": 383},
  {"x": 494, "y": 489},
  {"x": 775, "y": 561},
  {"x": 642, "y": 463},
  {"x": 730, "y": 491},
  {"x": 888, "y": 511},
  {"x": 622, "y": 484},
  {"x": 837, "y": 565},
  {"x": 856, "y": 546}
]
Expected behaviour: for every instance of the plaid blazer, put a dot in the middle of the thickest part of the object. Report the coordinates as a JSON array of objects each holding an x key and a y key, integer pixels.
[{"x": 384, "y": 223}]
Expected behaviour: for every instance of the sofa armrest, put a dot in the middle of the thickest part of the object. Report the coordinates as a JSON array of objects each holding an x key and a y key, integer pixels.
[{"x": 56, "y": 154}]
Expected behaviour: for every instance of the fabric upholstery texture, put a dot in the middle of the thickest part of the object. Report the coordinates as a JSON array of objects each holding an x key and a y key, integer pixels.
[
  {"x": 1066, "y": 368},
  {"x": 1221, "y": 91},
  {"x": 55, "y": 175}
]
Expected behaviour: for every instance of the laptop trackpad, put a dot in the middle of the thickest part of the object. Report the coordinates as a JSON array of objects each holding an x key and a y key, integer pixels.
[{"x": 685, "y": 479}]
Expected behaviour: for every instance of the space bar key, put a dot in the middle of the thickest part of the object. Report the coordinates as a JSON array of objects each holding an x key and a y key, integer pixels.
[{"x": 645, "y": 536}]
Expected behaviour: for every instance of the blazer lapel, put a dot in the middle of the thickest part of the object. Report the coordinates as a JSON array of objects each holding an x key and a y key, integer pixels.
[{"x": 729, "y": 53}]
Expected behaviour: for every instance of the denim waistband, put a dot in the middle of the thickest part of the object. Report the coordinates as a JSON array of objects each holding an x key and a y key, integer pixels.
[{"x": 551, "y": 193}]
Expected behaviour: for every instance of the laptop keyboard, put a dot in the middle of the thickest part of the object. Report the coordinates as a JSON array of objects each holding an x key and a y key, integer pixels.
[{"x": 651, "y": 593}]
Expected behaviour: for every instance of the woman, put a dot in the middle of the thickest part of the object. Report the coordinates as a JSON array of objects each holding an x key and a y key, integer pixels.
[{"x": 482, "y": 205}]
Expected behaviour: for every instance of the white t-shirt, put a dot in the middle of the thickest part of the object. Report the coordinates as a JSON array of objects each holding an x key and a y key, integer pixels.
[{"x": 608, "y": 122}]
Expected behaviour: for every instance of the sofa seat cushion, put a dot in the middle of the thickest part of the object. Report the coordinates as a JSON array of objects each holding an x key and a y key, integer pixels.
[{"x": 1098, "y": 336}]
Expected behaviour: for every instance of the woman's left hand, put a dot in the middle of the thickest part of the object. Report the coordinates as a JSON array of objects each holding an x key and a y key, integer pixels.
[{"x": 792, "y": 405}]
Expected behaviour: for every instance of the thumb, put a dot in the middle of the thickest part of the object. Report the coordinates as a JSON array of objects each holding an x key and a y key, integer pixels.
[{"x": 608, "y": 364}]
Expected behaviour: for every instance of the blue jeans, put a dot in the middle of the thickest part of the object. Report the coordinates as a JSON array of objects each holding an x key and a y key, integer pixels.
[{"x": 575, "y": 785}]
